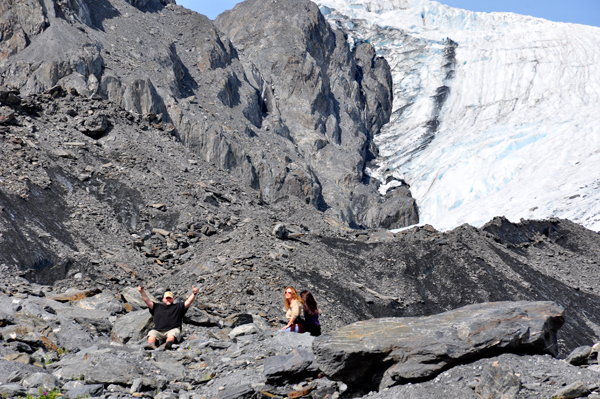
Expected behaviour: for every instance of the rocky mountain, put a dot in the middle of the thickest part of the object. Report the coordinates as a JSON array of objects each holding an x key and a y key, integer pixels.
[
  {"x": 144, "y": 144},
  {"x": 302, "y": 126}
]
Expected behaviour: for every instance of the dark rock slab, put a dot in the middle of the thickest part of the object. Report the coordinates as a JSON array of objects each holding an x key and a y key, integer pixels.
[
  {"x": 197, "y": 317},
  {"x": 498, "y": 382},
  {"x": 291, "y": 368},
  {"x": 388, "y": 351}
]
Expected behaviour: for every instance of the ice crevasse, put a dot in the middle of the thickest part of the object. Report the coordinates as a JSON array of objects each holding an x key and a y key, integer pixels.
[{"x": 495, "y": 114}]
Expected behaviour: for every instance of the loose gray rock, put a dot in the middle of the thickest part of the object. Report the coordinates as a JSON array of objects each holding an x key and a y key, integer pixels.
[
  {"x": 280, "y": 231},
  {"x": 498, "y": 382},
  {"x": 136, "y": 386},
  {"x": 291, "y": 368},
  {"x": 167, "y": 395},
  {"x": 83, "y": 391},
  {"x": 132, "y": 326},
  {"x": 197, "y": 317},
  {"x": 12, "y": 390},
  {"x": 104, "y": 301},
  {"x": 243, "y": 391},
  {"x": 133, "y": 296},
  {"x": 44, "y": 380},
  {"x": 577, "y": 389},
  {"x": 245, "y": 329},
  {"x": 579, "y": 355}
]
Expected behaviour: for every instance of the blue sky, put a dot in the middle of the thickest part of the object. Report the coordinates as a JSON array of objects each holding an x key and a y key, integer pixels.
[{"x": 585, "y": 12}]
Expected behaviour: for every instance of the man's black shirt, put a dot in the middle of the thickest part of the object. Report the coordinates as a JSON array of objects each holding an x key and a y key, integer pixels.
[{"x": 168, "y": 317}]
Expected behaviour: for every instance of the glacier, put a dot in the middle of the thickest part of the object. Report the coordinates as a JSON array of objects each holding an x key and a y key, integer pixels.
[{"x": 495, "y": 114}]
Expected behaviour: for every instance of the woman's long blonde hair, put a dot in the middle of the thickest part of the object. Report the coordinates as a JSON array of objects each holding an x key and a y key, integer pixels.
[{"x": 295, "y": 296}]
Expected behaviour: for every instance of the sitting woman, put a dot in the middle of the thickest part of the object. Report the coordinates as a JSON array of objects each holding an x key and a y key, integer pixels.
[
  {"x": 311, "y": 314},
  {"x": 294, "y": 311}
]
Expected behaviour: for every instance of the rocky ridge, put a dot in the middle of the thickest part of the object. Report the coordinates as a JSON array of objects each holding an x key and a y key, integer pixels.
[
  {"x": 96, "y": 198},
  {"x": 301, "y": 130},
  {"x": 88, "y": 215}
]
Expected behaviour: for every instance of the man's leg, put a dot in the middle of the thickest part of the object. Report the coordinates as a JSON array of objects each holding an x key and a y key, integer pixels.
[
  {"x": 173, "y": 336},
  {"x": 153, "y": 338}
]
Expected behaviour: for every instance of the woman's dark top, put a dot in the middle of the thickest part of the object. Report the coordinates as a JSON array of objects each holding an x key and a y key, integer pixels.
[
  {"x": 311, "y": 324},
  {"x": 168, "y": 317},
  {"x": 311, "y": 319}
]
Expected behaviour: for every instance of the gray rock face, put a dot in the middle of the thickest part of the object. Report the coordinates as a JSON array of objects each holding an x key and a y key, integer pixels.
[
  {"x": 20, "y": 21},
  {"x": 299, "y": 127},
  {"x": 389, "y": 351},
  {"x": 332, "y": 101}
]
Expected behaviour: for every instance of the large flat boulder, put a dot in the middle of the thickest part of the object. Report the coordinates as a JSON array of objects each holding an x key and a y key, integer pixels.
[
  {"x": 388, "y": 351},
  {"x": 132, "y": 326}
]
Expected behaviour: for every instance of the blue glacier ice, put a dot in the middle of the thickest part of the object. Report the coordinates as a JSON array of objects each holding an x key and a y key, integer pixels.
[{"x": 494, "y": 113}]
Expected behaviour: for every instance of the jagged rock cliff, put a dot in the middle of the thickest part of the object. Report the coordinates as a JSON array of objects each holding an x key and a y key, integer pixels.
[
  {"x": 300, "y": 126},
  {"x": 167, "y": 155}
]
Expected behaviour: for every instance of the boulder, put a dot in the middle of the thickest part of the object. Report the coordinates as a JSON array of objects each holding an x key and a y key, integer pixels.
[
  {"x": 389, "y": 351},
  {"x": 197, "y": 317},
  {"x": 79, "y": 327},
  {"x": 41, "y": 380},
  {"x": 133, "y": 296},
  {"x": 105, "y": 302},
  {"x": 132, "y": 326},
  {"x": 12, "y": 390},
  {"x": 291, "y": 368},
  {"x": 577, "y": 389},
  {"x": 245, "y": 329},
  {"x": 579, "y": 355},
  {"x": 85, "y": 391},
  {"x": 498, "y": 382},
  {"x": 98, "y": 366}
]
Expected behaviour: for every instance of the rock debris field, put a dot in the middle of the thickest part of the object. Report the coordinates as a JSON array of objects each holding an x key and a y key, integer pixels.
[
  {"x": 98, "y": 197},
  {"x": 108, "y": 210}
]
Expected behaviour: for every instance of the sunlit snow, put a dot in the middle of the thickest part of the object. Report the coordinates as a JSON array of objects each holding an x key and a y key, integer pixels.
[{"x": 494, "y": 114}]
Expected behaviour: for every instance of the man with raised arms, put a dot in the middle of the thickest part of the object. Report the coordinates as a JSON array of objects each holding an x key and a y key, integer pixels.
[{"x": 168, "y": 317}]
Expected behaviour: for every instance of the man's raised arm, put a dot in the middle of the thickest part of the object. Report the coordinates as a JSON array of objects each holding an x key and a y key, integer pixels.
[
  {"x": 191, "y": 298},
  {"x": 145, "y": 297}
]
